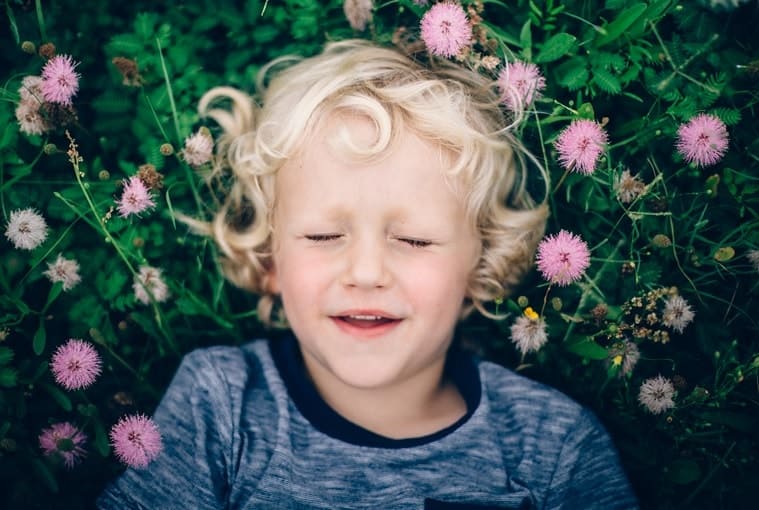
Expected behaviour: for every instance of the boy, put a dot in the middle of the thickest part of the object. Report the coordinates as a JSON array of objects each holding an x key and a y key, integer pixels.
[{"x": 380, "y": 201}]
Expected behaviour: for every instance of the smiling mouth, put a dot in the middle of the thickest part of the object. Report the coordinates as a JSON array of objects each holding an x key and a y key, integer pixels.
[{"x": 365, "y": 321}]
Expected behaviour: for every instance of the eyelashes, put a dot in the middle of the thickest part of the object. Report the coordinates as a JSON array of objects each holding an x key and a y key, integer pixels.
[{"x": 411, "y": 241}]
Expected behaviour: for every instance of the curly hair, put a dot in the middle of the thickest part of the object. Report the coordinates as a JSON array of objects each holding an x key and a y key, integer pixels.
[{"x": 441, "y": 101}]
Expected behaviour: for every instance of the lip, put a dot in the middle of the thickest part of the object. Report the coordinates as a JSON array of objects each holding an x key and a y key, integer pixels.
[{"x": 366, "y": 332}]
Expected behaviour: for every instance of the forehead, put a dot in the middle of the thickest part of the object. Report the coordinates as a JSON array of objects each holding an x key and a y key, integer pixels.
[{"x": 351, "y": 149}]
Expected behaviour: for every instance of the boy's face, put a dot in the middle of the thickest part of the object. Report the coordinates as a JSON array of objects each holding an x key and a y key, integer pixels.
[{"x": 371, "y": 260}]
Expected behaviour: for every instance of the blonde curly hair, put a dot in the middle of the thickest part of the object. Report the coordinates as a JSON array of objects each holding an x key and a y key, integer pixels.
[{"x": 440, "y": 101}]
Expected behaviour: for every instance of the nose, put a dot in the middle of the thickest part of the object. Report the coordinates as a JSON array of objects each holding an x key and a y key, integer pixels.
[{"x": 366, "y": 264}]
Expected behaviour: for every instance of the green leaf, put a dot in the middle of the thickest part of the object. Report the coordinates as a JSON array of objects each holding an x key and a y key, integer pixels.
[
  {"x": 41, "y": 469},
  {"x": 6, "y": 354},
  {"x": 616, "y": 28},
  {"x": 60, "y": 397},
  {"x": 573, "y": 73},
  {"x": 101, "y": 439},
  {"x": 8, "y": 377},
  {"x": 88, "y": 410},
  {"x": 126, "y": 45},
  {"x": 683, "y": 471},
  {"x": 525, "y": 38},
  {"x": 38, "y": 344},
  {"x": 606, "y": 81},
  {"x": 52, "y": 295},
  {"x": 555, "y": 48},
  {"x": 585, "y": 347},
  {"x": 729, "y": 116}
]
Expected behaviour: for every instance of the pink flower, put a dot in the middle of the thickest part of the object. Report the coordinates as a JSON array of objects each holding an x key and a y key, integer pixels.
[
  {"x": 563, "y": 258},
  {"x": 702, "y": 140},
  {"x": 26, "y": 229},
  {"x": 136, "y": 440},
  {"x": 446, "y": 29},
  {"x": 135, "y": 199},
  {"x": 358, "y": 13},
  {"x": 198, "y": 148},
  {"x": 75, "y": 364},
  {"x": 64, "y": 270},
  {"x": 30, "y": 121},
  {"x": 64, "y": 440},
  {"x": 580, "y": 145},
  {"x": 677, "y": 313},
  {"x": 657, "y": 394},
  {"x": 59, "y": 80},
  {"x": 520, "y": 84},
  {"x": 149, "y": 282},
  {"x": 31, "y": 88}
]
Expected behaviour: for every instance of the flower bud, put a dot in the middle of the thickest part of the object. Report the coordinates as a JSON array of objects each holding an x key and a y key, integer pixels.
[
  {"x": 28, "y": 47},
  {"x": 104, "y": 175},
  {"x": 50, "y": 149},
  {"x": 522, "y": 301},
  {"x": 167, "y": 149},
  {"x": 661, "y": 241}
]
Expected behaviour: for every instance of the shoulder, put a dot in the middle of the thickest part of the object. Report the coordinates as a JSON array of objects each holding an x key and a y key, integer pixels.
[
  {"x": 228, "y": 362},
  {"x": 533, "y": 418},
  {"x": 524, "y": 398},
  {"x": 219, "y": 373}
]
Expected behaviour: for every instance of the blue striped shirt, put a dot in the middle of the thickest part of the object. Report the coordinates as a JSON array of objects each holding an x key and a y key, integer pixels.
[{"x": 243, "y": 427}]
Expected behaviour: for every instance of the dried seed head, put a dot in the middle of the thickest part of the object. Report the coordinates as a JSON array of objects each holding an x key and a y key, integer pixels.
[{"x": 47, "y": 51}]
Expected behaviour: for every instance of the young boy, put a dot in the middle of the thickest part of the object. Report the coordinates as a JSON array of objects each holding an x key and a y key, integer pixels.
[{"x": 379, "y": 199}]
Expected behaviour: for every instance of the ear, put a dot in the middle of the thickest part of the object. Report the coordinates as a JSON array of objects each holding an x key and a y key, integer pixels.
[{"x": 271, "y": 281}]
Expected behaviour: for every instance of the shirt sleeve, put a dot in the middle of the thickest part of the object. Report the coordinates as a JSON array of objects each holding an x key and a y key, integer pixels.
[
  {"x": 195, "y": 419},
  {"x": 588, "y": 474}
]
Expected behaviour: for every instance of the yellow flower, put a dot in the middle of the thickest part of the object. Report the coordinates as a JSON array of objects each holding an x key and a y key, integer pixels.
[
  {"x": 531, "y": 314},
  {"x": 617, "y": 360}
]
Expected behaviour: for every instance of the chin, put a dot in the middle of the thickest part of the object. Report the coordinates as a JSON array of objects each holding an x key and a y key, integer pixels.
[{"x": 366, "y": 378}]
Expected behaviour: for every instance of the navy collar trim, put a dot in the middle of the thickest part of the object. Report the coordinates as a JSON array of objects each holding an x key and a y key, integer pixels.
[{"x": 460, "y": 367}]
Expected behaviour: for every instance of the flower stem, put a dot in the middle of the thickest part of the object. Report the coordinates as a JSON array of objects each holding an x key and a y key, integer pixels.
[{"x": 40, "y": 20}]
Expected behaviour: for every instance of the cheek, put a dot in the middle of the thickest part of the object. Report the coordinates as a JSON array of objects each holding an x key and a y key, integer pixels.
[
  {"x": 436, "y": 282},
  {"x": 300, "y": 273}
]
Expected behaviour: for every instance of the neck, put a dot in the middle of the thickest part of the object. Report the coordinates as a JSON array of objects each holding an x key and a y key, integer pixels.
[{"x": 418, "y": 406}]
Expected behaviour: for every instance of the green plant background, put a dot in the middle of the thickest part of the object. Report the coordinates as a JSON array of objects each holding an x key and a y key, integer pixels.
[{"x": 642, "y": 68}]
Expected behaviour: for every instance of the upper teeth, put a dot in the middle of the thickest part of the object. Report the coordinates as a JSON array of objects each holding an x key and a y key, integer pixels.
[{"x": 365, "y": 317}]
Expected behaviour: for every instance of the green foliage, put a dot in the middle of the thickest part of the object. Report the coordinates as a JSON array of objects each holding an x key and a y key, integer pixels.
[{"x": 639, "y": 68}]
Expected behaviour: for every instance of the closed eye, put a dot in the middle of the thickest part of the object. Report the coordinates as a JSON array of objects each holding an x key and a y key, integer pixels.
[
  {"x": 416, "y": 243},
  {"x": 320, "y": 238}
]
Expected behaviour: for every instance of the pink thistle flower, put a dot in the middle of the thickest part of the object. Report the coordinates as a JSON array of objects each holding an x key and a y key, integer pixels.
[
  {"x": 31, "y": 88},
  {"x": 580, "y": 145},
  {"x": 358, "y": 13},
  {"x": 59, "y": 80},
  {"x": 136, "y": 440},
  {"x": 520, "y": 84},
  {"x": 26, "y": 229},
  {"x": 563, "y": 257},
  {"x": 677, "y": 313},
  {"x": 656, "y": 394},
  {"x": 198, "y": 149},
  {"x": 702, "y": 140},
  {"x": 135, "y": 199},
  {"x": 75, "y": 364},
  {"x": 63, "y": 440},
  {"x": 446, "y": 29},
  {"x": 30, "y": 120},
  {"x": 150, "y": 279},
  {"x": 64, "y": 270}
]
